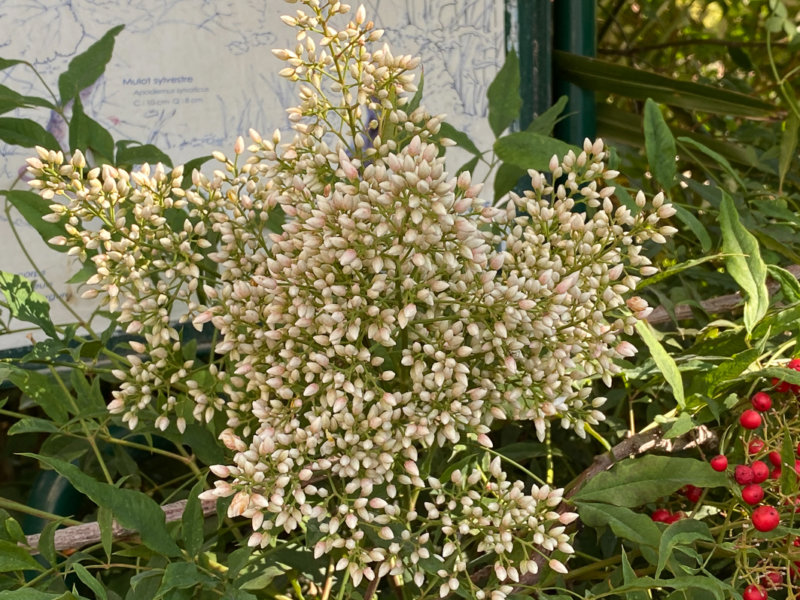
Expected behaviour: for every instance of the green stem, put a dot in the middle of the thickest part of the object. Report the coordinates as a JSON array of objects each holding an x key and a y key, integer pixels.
[{"x": 7, "y": 504}]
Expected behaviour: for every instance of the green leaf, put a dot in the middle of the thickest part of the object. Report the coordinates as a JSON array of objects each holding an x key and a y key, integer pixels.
[
  {"x": 626, "y": 524},
  {"x": 10, "y": 62},
  {"x": 131, "y": 509},
  {"x": 665, "y": 363},
  {"x": 90, "y": 582},
  {"x": 32, "y": 425},
  {"x": 695, "y": 226},
  {"x": 546, "y": 121},
  {"x": 629, "y": 576},
  {"x": 16, "y": 558},
  {"x": 716, "y": 156},
  {"x": 599, "y": 75},
  {"x": 744, "y": 263},
  {"x": 788, "y": 477},
  {"x": 634, "y": 482},
  {"x": 789, "y": 284},
  {"x": 26, "y": 133},
  {"x": 529, "y": 150},
  {"x": 105, "y": 520},
  {"x": 179, "y": 575},
  {"x": 503, "y": 94},
  {"x": 130, "y": 153},
  {"x": 675, "y": 269},
  {"x": 506, "y": 178},
  {"x": 47, "y": 545},
  {"x": 192, "y": 521},
  {"x": 87, "y": 67},
  {"x": 459, "y": 137},
  {"x": 26, "y": 304},
  {"x": 27, "y": 594},
  {"x": 12, "y": 100},
  {"x": 40, "y": 388},
  {"x": 683, "y": 424},
  {"x": 685, "y": 582},
  {"x": 469, "y": 165},
  {"x": 33, "y": 207},
  {"x": 680, "y": 533},
  {"x": 659, "y": 144},
  {"x": 87, "y": 134},
  {"x": 788, "y": 147}
]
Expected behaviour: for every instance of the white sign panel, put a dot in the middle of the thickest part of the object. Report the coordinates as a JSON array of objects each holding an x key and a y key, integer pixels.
[{"x": 191, "y": 75}]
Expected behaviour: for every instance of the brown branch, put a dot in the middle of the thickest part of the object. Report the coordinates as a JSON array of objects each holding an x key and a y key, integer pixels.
[
  {"x": 78, "y": 536},
  {"x": 720, "y": 304}
]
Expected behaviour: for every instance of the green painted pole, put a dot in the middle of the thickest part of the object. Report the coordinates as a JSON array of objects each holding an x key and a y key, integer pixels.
[
  {"x": 535, "y": 22},
  {"x": 574, "y": 31}
]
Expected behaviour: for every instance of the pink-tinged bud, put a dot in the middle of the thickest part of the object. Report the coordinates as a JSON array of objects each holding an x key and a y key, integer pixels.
[
  {"x": 414, "y": 146},
  {"x": 116, "y": 406},
  {"x": 636, "y": 303},
  {"x": 553, "y": 163},
  {"x": 254, "y": 135},
  {"x": 232, "y": 441},
  {"x": 565, "y": 284},
  {"x": 484, "y": 440},
  {"x": 347, "y": 257},
  {"x": 626, "y": 349},
  {"x": 238, "y": 147},
  {"x": 557, "y": 566},
  {"x": 220, "y": 471},
  {"x": 361, "y": 15},
  {"x": 511, "y": 364},
  {"x": 311, "y": 389},
  {"x": 567, "y": 518},
  {"x": 527, "y": 304},
  {"x": 411, "y": 468},
  {"x": 615, "y": 271}
]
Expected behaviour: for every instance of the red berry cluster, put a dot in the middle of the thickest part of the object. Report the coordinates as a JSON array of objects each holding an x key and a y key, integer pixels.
[{"x": 760, "y": 472}]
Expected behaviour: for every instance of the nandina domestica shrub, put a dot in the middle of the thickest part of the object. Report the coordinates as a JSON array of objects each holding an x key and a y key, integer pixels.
[{"x": 366, "y": 352}]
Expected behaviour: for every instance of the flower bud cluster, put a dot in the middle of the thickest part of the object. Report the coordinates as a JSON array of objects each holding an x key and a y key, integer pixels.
[{"x": 393, "y": 317}]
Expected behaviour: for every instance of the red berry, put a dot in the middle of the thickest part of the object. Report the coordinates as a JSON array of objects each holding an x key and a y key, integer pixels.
[
  {"x": 772, "y": 580},
  {"x": 760, "y": 471},
  {"x": 692, "y": 493},
  {"x": 674, "y": 517},
  {"x": 754, "y": 592},
  {"x": 753, "y": 494},
  {"x": 775, "y": 458},
  {"x": 798, "y": 449},
  {"x": 756, "y": 445},
  {"x": 775, "y": 473},
  {"x": 719, "y": 463},
  {"x": 766, "y": 518},
  {"x": 761, "y": 401},
  {"x": 661, "y": 515},
  {"x": 743, "y": 474},
  {"x": 781, "y": 386},
  {"x": 794, "y": 364},
  {"x": 750, "y": 419}
]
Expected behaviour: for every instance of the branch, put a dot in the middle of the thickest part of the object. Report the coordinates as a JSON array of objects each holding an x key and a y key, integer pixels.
[{"x": 78, "y": 536}]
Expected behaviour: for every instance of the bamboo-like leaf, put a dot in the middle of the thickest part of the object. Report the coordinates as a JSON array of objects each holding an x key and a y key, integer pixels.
[
  {"x": 659, "y": 144},
  {"x": 26, "y": 133},
  {"x": 665, "y": 363},
  {"x": 503, "y": 94},
  {"x": 788, "y": 147},
  {"x": 602, "y": 76},
  {"x": 26, "y": 304},
  {"x": 33, "y": 207},
  {"x": 744, "y": 263},
  {"x": 87, "y": 67}
]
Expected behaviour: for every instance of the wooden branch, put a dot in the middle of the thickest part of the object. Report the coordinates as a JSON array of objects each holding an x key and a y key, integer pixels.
[
  {"x": 720, "y": 304},
  {"x": 78, "y": 536}
]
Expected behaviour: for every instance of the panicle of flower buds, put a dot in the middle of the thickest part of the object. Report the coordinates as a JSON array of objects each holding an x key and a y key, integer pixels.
[{"x": 393, "y": 314}]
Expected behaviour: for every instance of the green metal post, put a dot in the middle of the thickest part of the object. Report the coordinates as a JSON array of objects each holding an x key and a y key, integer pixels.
[
  {"x": 574, "y": 31},
  {"x": 535, "y": 23}
]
